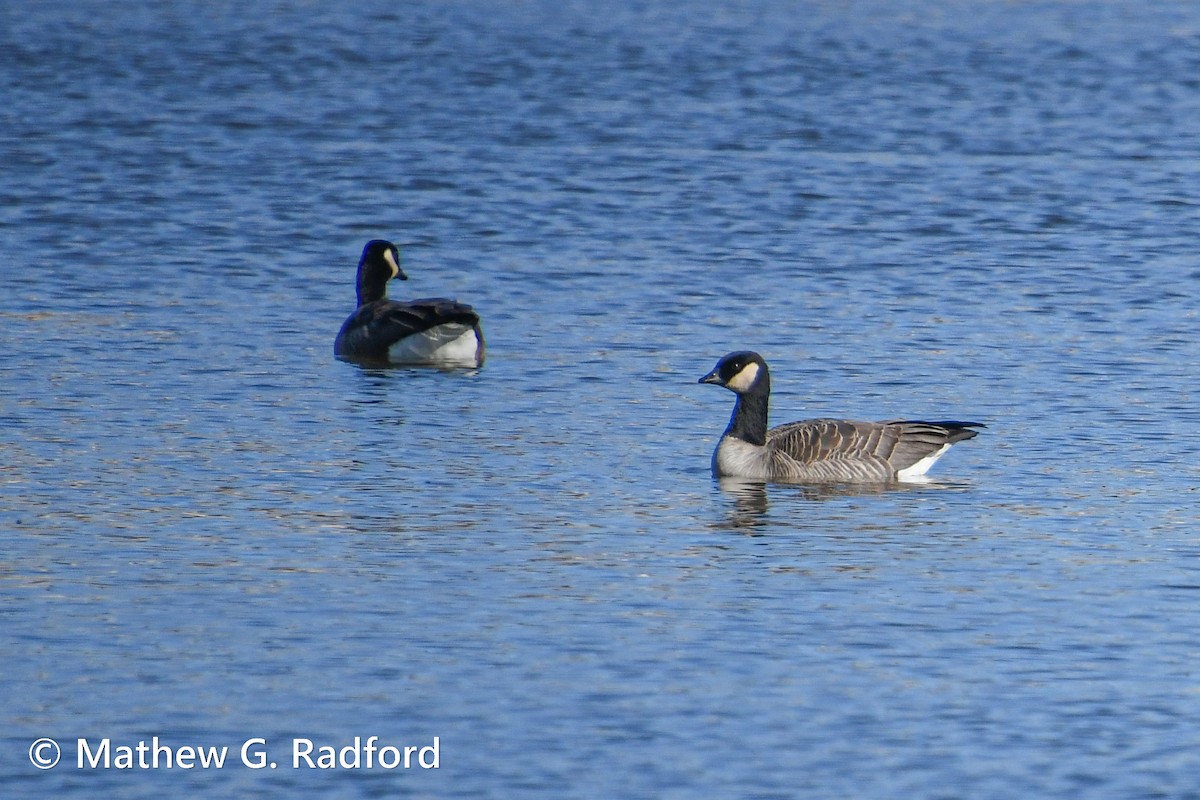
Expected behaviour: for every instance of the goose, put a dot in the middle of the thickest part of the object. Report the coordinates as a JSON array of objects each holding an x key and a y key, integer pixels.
[
  {"x": 428, "y": 331},
  {"x": 819, "y": 450}
]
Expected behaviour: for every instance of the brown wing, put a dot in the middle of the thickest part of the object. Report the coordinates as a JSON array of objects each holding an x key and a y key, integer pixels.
[
  {"x": 838, "y": 449},
  {"x": 916, "y": 439},
  {"x": 833, "y": 449}
]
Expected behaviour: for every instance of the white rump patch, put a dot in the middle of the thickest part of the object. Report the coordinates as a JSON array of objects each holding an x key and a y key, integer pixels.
[
  {"x": 917, "y": 471},
  {"x": 744, "y": 379},
  {"x": 450, "y": 343}
]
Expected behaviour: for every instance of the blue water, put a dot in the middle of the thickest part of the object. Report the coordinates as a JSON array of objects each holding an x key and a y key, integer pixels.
[{"x": 214, "y": 531}]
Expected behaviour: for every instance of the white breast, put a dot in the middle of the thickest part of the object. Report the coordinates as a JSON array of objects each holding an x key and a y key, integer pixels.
[
  {"x": 736, "y": 458},
  {"x": 450, "y": 343}
]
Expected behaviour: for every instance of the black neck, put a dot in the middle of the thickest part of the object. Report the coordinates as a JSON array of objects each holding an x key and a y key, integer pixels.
[
  {"x": 749, "y": 420},
  {"x": 370, "y": 289}
]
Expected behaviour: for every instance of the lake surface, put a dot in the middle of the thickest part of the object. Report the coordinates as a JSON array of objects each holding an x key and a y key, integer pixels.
[{"x": 216, "y": 532}]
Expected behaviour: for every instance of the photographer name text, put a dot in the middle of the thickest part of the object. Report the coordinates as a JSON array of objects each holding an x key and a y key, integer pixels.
[{"x": 253, "y": 753}]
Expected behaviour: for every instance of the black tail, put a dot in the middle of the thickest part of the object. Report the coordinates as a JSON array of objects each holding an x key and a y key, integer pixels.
[{"x": 957, "y": 431}]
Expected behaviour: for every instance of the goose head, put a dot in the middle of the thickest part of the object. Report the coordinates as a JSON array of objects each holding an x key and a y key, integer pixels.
[
  {"x": 743, "y": 373},
  {"x": 379, "y": 264}
]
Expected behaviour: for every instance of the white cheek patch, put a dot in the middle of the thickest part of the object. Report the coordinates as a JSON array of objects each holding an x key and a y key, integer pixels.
[
  {"x": 744, "y": 379},
  {"x": 391, "y": 260}
]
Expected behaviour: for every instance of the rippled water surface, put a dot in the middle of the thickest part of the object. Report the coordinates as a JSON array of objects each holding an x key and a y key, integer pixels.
[{"x": 214, "y": 531}]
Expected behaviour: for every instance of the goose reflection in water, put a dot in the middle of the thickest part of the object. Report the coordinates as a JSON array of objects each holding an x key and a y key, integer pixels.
[{"x": 751, "y": 501}]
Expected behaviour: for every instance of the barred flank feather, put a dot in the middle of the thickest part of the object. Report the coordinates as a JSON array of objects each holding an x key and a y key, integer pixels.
[{"x": 837, "y": 449}]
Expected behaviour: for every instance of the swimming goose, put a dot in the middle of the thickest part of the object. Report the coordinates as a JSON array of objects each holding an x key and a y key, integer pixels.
[
  {"x": 819, "y": 450},
  {"x": 429, "y": 331}
]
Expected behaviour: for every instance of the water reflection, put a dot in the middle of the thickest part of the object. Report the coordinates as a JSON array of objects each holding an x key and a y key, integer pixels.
[
  {"x": 751, "y": 501},
  {"x": 384, "y": 366}
]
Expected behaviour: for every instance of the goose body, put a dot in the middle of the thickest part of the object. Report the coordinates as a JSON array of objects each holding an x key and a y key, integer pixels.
[
  {"x": 433, "y": 330},
  {"x": 819, "y": 450}
]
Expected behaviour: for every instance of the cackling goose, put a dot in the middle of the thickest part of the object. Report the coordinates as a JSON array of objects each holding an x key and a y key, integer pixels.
[
  {"x": 383, "y": 331},
  {"x": 819, "y": 450}
]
